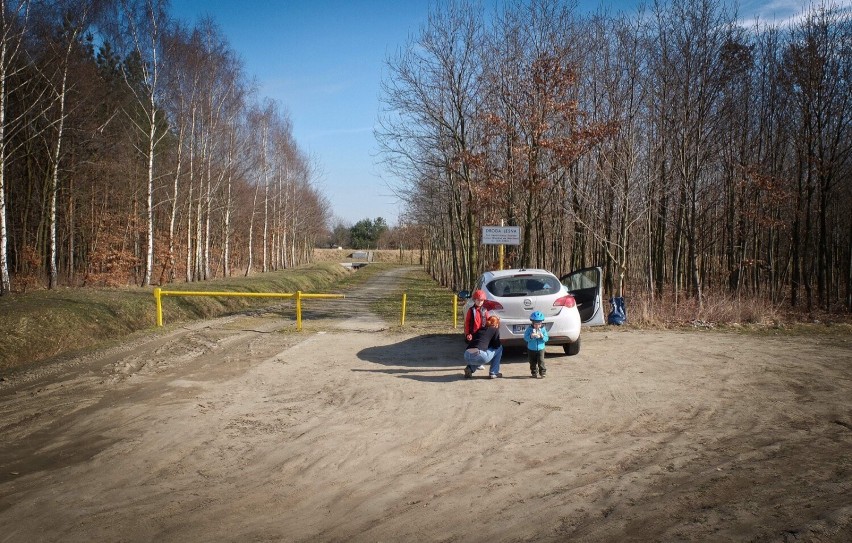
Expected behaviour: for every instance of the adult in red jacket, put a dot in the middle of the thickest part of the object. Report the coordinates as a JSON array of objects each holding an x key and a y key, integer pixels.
[{"x": 476, "y": 316}]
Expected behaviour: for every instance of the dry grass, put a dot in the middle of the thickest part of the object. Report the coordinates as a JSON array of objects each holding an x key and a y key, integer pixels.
[{"x": 721, "y": 310}]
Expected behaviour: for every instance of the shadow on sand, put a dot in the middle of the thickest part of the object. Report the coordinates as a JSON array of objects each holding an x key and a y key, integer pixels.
[{"x": 418, "y": 357}]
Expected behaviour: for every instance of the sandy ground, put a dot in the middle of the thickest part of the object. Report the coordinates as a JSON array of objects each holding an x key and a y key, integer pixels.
[{"x": 228, "y": 430}]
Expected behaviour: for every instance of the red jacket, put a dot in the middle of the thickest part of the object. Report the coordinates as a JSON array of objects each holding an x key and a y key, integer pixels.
[{"x": 474, "y": 320}]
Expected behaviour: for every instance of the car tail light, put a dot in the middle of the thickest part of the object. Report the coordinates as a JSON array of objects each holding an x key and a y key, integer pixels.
[
  {"x": 492, "y": 305},
  {"x": 565, "y": 301}
]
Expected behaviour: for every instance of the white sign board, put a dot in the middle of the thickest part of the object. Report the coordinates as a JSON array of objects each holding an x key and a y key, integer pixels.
[{"x": 501, "y": 235}]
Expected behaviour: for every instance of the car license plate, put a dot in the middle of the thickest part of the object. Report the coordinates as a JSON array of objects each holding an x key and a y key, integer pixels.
[{"x": 519, "y": 328}]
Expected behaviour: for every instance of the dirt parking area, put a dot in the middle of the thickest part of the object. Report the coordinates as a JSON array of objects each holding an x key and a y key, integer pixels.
[{"x": 229, "y": 430}]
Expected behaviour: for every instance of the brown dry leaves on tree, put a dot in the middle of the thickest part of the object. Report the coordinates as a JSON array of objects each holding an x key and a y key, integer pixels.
[
  {"x": 538, "y": 117},
  {"x": 112, "y": 257}
]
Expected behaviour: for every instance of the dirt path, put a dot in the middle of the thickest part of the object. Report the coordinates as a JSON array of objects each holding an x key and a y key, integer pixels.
[{"x": 227, "y": 430}]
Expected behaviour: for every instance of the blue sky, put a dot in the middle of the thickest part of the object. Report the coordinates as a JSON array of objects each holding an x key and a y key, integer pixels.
[{"x": 323, "y": 61}]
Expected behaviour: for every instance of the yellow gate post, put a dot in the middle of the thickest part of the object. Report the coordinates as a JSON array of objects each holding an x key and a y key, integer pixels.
[
  {"x": 158, "y": 297},
  {"x": 455, "y": 310},
  {"x": 402, "y": 319},
  {"x": 298, "y": 310}
]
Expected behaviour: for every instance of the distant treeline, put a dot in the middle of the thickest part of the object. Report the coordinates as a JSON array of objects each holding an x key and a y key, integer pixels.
[
  {"x": 685, "y": 151},
  {"x": 134, "y": 149}
]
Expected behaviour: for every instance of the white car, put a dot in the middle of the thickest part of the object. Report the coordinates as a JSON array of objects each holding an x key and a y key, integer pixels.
[{"x": 567, "y": 303}]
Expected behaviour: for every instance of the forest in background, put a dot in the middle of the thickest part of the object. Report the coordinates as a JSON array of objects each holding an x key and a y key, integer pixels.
[
  {"x": 134, "y": 149},
  {"x": 689, "y": 155}
]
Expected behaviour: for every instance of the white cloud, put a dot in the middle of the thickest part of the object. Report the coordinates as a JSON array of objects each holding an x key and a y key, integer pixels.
[{"x": 784, "y": 12}]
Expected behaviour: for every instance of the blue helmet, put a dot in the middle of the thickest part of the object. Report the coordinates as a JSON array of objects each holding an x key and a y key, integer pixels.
[{"x": 537, "y": 316}]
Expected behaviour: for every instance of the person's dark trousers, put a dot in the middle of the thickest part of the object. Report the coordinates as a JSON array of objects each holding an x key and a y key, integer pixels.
[{"x": 536, "y": 359}]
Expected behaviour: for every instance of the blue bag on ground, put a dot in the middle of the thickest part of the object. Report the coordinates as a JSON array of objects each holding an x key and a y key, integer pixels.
[{"x": 618, "y": 315}]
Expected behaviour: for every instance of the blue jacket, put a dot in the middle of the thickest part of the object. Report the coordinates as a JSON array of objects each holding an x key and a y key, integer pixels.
[{"x": 536, "y": 344}]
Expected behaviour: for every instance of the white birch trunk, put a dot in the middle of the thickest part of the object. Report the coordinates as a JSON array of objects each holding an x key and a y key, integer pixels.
[
  {"x": 226, "y": 249},
  {"x": 6, "y": 58},
  {"x": 149, "y": 197},
  {"x": 189, "y": 225},
  {"x": 199, "y": 242},
  {"x": 54, "y": 181},
  {"x": 189, "y": 232},
  {"x": 5, "y": 281},
  {"x": 265, "y": 225},
  {"x": 173, "y": 210},
  {"x": 251, "y": 233},
  {"x": 189, "y": 249},
  {"x": 208, "y": 204},
  {"x": 199, "y": 211}
]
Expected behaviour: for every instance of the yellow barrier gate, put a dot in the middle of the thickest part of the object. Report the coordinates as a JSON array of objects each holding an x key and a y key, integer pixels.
[
  {"x": 159, "y": 293},
  {"x": 455, "y": 310}
]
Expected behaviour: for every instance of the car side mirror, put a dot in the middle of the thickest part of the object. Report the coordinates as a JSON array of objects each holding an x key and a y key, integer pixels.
[{"x": 464, "y": 294}]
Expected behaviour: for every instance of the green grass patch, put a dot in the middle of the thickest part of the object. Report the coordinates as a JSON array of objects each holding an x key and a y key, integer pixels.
[
  {"x": 364, "y": 274},
  {"x": 429, "y": 306}
]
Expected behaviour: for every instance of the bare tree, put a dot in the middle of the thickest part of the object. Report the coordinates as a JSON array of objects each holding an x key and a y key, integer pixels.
[
  {"x": 611, "y": 200},
  {"x": 817, "y": 77},
  {"x": 13, "y": 19},
  {"x": 690, "y": 40},
  {"x": 258, "y": 121},
  {"x": 539, "y": 129},
  {"x": 62, "y": 30},
  {"x": 143, "y": 24},
  {"x": 181, "y": 83},
  {"x": 432, "y": 105}
]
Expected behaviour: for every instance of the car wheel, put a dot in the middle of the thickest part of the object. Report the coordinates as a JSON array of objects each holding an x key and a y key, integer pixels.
[{"x": 572, "y": 348}]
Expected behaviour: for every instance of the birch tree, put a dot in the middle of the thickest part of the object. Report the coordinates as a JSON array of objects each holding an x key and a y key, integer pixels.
[
  {"x": 181, "y": 85},
  {"x": 13, "y": 19},
  {"x": 63, "y": 31},
  {"x": 144, "y": 23},
  {"x": 260, "y": 120}
]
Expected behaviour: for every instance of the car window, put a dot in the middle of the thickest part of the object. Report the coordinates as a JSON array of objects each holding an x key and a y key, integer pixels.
[
  {"x": 585, "y": 279},
  {"x": 525, "y": 285}
]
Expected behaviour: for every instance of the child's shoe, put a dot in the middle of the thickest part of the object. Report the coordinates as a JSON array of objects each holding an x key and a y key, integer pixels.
[{"x": 468, "y": 373}]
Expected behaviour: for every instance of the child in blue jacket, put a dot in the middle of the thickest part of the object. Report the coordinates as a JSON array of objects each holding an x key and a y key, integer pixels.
[{"x": 536, "y": 338}]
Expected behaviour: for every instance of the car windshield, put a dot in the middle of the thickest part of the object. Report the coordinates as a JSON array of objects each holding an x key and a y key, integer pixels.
[{"x": 524, "y": 285}]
